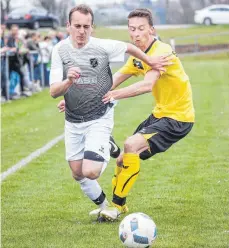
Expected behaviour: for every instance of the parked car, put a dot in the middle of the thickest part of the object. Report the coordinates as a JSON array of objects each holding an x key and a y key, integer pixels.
[
  {"x": 214, "y": 14},
  {"x": 111, "y": 16},
  {"x": 33, "y": 18}
]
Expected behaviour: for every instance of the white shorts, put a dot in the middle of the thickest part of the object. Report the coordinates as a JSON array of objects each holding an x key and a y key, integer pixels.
[{"x": 89, "y": 136}]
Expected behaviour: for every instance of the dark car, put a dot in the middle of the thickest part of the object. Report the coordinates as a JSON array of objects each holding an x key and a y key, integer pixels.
[{"x": 33, "y": 18}]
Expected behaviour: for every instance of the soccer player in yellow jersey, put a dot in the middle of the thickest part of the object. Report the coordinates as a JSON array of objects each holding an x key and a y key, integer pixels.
[{"x": 171, "y": 119}]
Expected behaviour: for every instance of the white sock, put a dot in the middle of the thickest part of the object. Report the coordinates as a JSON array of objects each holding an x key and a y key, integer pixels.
[
  {"x": 92, "y": 190},
  {"x": 104, "y": 204}
]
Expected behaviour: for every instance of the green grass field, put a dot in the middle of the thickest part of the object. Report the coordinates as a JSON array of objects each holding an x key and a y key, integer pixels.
[
  {"x": 185, "y": 190},
  {"x": 182, "y": 35}
]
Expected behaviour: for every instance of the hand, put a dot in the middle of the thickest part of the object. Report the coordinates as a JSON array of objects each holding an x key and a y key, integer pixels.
[
  {"x": 159, "y": 62},
  {"x": 109, "y": 97},
  {"x": 61, "y": 106},
  {"x": 73, "y": 74}
]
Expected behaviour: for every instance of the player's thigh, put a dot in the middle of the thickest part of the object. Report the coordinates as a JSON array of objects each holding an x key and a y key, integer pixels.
[
  {"x": 97, "y": 139},
  {"x": 161, "y": 134},
  {"x": 97, "y": 148},
  {"x": 135, "y": 144},
  {"x": 74, "y": 141}
]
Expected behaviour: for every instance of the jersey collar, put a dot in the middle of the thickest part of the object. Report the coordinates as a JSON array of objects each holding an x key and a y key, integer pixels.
[{"x": 147, "y": 50}]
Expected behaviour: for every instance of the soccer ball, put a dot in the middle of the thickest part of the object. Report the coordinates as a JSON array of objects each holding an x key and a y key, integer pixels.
[{"x": 137, "y": 230}]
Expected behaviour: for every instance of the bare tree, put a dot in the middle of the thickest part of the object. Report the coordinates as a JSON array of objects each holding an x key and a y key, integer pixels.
[
  {"x": 5, "y": 5},
  {"x": 188, "y": 11},
  {"x": 60, "y": 8},
  {"x": 5, "y": 8},
  {"x": 49, "y": 5},
  {"x": 64, "y": 7},
  {"x": 202, "y": 3},
  {"x": 167, "y": 10}
]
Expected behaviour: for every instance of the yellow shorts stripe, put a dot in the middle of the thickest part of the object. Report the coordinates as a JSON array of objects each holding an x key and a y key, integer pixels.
[{"x": 148, "y": 136}]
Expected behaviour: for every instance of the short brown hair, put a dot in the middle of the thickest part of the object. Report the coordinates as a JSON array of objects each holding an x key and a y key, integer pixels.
[
  {"x": 82, "y": 8},
  {"x": 142, "y": 13}
]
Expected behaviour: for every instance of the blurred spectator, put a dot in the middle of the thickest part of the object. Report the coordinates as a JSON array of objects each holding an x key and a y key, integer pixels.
[
  {"x": 24, "y": 51},
  {"x": 46, "y": 51},
  {"x": 16, "y": 60},
  {"x": 3, "y": 50},
  {"x": 53, "y": 37},
  {"x": 60, "y": 36},
  {"x": 33, "y": 45}
]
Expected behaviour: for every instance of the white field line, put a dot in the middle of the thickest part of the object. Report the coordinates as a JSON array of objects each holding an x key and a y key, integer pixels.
[{"x": 32, "y": 156}]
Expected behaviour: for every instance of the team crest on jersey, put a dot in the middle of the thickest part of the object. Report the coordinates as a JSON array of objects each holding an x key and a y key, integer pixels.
[
  {"x": 138, "y": 64},
  {"x": 94, "y": 62}
]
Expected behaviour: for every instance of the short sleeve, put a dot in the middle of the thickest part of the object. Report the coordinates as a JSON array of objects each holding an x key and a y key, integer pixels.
[
  {"x": 162, "y": 49},
  {"x": 116, "y": 49},
  {"x": 56, "y": 72},
  {"x": 129, "y": 68}
]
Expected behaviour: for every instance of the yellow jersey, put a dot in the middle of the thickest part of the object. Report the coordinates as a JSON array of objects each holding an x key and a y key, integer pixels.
[{"x": 172, "y": 91}]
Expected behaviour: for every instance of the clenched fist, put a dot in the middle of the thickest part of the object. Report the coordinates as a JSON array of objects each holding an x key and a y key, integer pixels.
[{"x": 73, "y": 74}]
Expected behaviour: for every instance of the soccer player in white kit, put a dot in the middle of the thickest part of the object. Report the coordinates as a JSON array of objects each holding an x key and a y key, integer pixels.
[{"x": 80, "y": 72}]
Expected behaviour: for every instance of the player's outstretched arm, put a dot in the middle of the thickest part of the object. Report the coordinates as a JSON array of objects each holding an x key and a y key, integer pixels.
[
  {"x": 135, "y": 89},
  {"x": 156, "y": 62},
  {"x": 119, "y": 78}
]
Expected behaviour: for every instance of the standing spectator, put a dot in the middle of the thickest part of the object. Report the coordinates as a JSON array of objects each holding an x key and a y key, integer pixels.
[
  {"x": 46, "y": 50},
  {"x": 24, "y": 52},
  {"x": 33, "y": 45},
  {"x": 15, "y": 59},
  {"x": 3, "y": 50},
  {"x": 53, "y": 37},
  {"x": 60, "y": 36}
]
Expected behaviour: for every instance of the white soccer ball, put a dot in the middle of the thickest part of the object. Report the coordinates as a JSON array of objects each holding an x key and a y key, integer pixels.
[{"x": 137, "y": 230}]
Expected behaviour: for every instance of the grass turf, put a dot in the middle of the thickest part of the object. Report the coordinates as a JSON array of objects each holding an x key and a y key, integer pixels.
[{"x": 182, "y": 35}]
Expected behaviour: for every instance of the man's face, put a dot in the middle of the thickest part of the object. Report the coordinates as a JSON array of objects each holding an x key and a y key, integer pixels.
[
  {"x": 80, "y": 28},
  {"x": 140, "y": 31},
  {"x": 3, "y": 27},
  {"x": 15, "y": 31}
]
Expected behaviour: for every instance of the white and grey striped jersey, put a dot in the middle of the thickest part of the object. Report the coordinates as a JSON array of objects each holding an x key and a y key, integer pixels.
[{"x": 84, "y": 98}]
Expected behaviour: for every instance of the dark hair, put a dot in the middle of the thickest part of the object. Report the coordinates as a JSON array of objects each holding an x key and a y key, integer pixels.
[
  {"x": 32, "y": 34},
  {"x": 47, "y": 38},
  {"x": 82, "y": 8},
  {"x": 142, "y": 13}
]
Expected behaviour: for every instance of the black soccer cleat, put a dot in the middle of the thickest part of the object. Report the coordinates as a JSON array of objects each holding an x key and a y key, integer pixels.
[{"x": 114, "y": 148}]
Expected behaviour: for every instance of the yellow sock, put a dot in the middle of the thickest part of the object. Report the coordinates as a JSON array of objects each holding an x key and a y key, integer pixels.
[
  {"x": 128, "y": 174},
  {"x": 115, "y": 177}
]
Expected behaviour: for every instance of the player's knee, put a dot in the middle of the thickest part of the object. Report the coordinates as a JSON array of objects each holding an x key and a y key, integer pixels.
[
  {"x": 130, "y": 145},
  {"x": 91, "y": 174},
  {"x": 92, "y": 165},
  {"x": 77, "y": 177}
]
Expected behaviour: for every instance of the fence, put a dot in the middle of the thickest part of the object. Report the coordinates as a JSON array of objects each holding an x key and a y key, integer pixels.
[
  {"x": 200, "y": 43},
  {"x": 31, "y": 69}
]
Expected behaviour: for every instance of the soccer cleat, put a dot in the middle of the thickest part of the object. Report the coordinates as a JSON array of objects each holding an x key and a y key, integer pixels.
[
  {"x": 112, "y": 213},
  {"x": 114, "y": 148},
  {"x": 95, "y": 213}
]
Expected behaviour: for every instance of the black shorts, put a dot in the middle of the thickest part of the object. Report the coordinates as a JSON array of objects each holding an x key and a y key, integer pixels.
[{"x": 161, "y": 134}]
